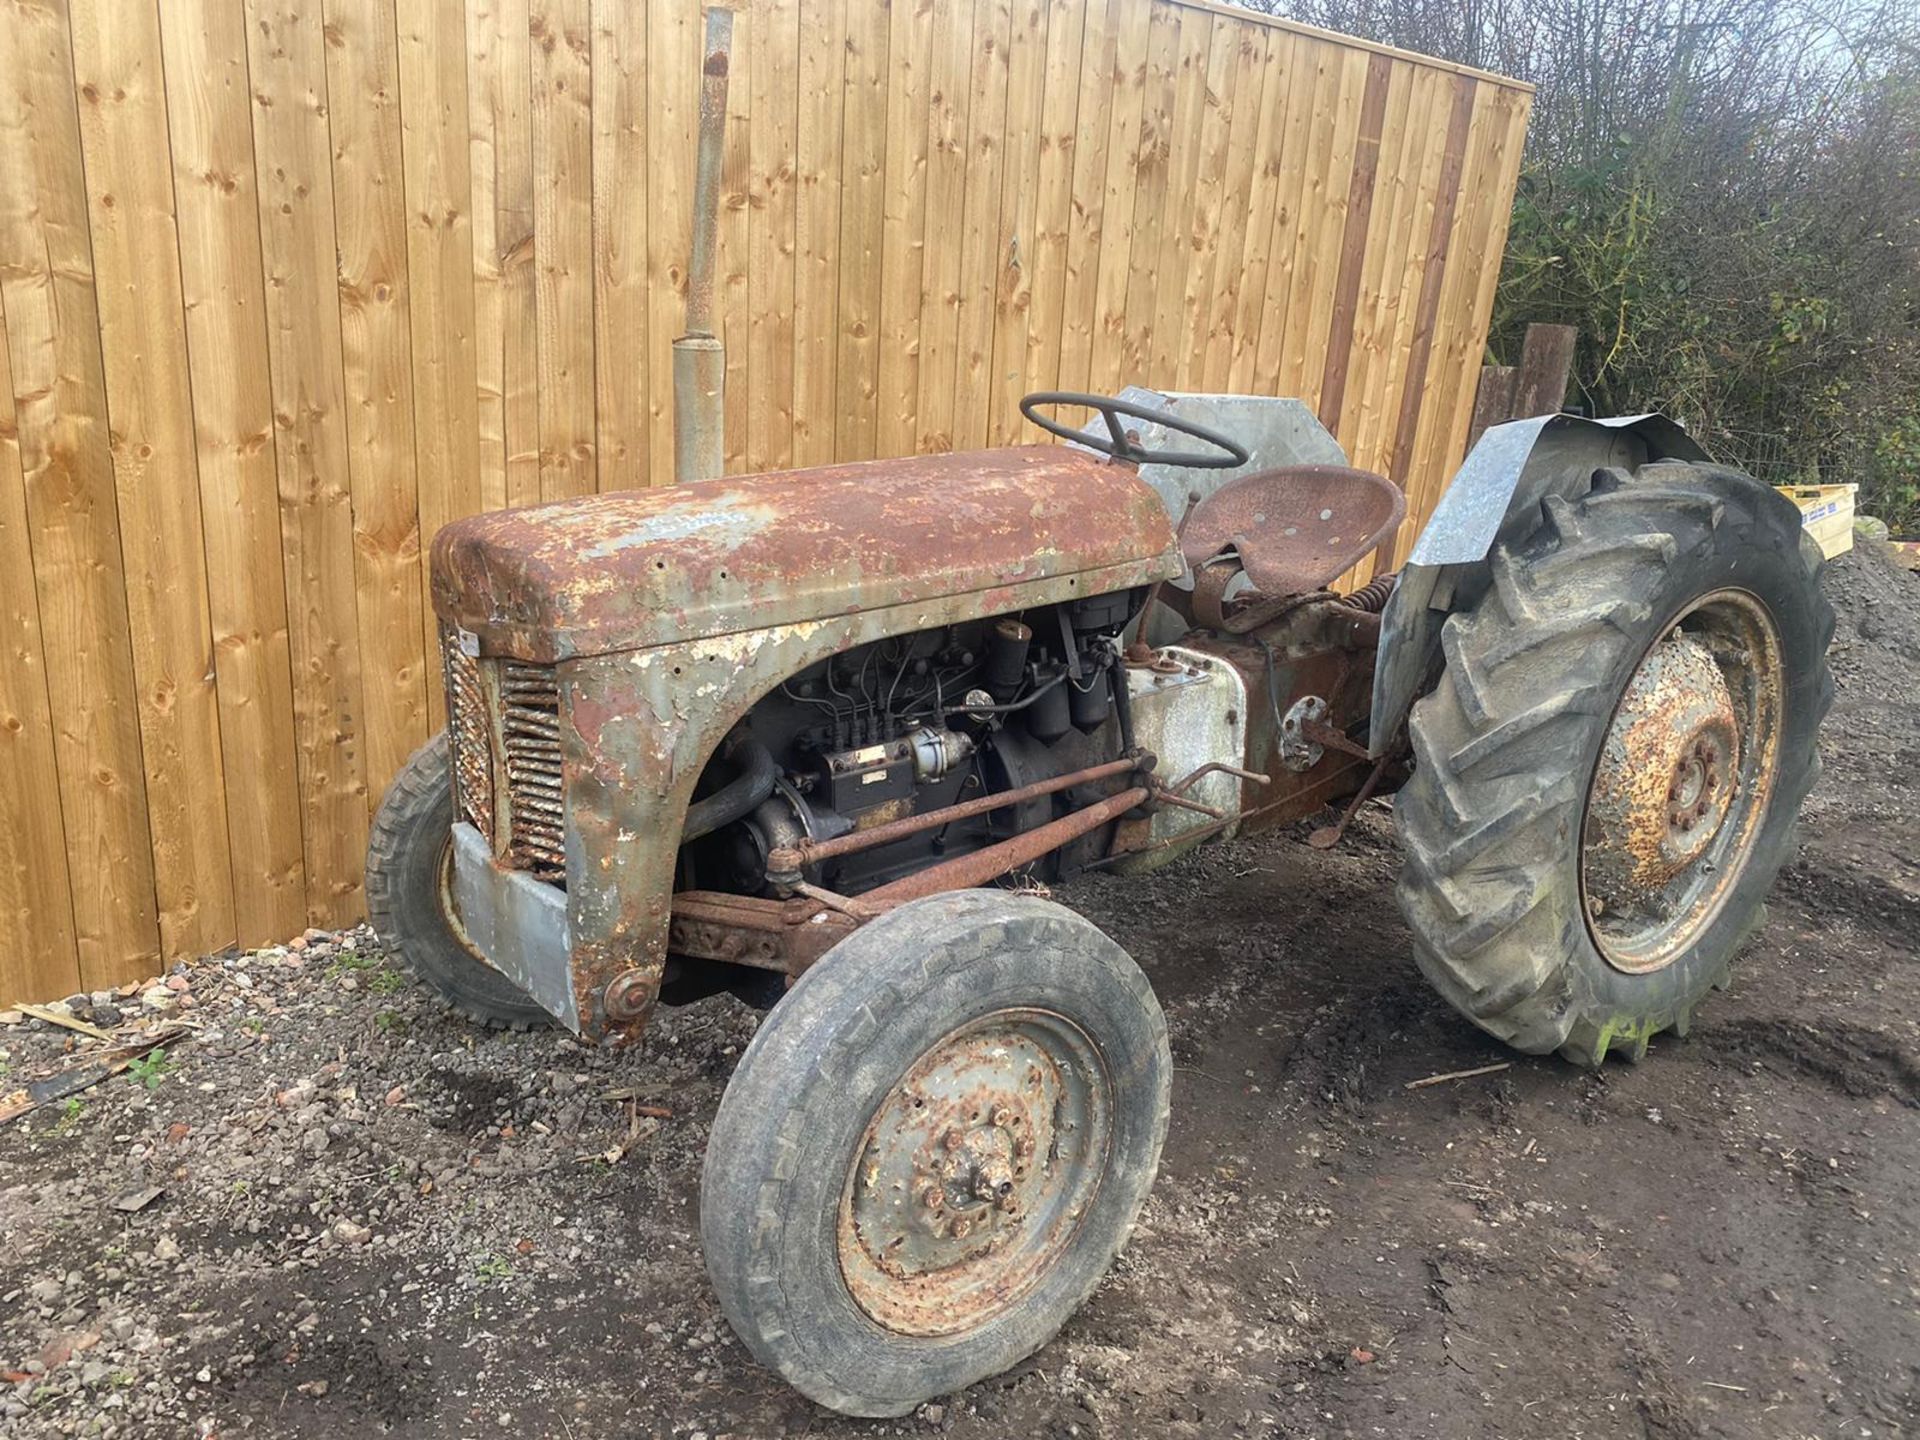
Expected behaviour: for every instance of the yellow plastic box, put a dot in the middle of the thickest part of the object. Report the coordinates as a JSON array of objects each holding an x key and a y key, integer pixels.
[{"x": 1826, "y": 512}]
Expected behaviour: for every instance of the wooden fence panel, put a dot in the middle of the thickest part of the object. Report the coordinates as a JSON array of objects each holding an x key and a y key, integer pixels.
[{"x": 285, "y": 287}]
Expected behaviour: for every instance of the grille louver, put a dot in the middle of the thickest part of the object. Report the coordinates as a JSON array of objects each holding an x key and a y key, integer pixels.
[
  {"x": 468, "y": 732},
  {"x": 530, "y": 730}
]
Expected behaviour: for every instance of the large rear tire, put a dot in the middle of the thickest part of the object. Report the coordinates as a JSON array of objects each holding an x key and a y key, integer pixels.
[
  {"x": 407, "y": 857},
  {"x": 1608, "y": 773},
  {"x": 934, "y": 1148}
]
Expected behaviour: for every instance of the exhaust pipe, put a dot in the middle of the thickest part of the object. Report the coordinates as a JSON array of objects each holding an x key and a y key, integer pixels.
[{"x": 699, "y": 359}]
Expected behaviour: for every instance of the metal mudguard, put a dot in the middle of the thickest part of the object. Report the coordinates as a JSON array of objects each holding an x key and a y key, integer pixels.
[{"x": 1495, "y": 498}]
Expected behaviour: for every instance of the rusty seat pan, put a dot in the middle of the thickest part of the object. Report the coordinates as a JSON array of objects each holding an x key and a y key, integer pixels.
[{"x": 1296, "y": 529}]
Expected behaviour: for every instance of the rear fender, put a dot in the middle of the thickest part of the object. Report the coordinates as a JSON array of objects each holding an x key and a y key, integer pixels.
[{"x": 1494, "y": 498}]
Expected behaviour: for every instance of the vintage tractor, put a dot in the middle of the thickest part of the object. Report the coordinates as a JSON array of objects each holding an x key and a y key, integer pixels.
[{"x": 774, "y": 734}]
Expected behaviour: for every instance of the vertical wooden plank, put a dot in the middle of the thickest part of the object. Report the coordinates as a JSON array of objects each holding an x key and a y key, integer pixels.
[
  {"x": 951, "y": 70},
  {"x": 1382, "y": 253},
  {"x": 734, "y": 297},
  {"x": 563, "y": 253},
  {"x": 821, "y": 71},
  {"x": 1506, "y": 139},
  {"x": 1416, "y": 118},
  {"x": 1269, "y": 169},
  {"x": 500, "y": 179},
  {"x": 673, "y": 108},
  {"x": 903, "y": 222},
  {"x": 512, "y": 105},
  {"x": 434, "y": 112},
  {"x": 1075, "y": 39},
  {"x": 60, "y": 411},
  {"x": 1204, "y": 201},
  {"x": 129, "y": 176},
  {"x": 1239, "y": 190},
  {"x": 1035, "y": 177},
  {"x": 1356, "y": 217},
  {"x": 489, "y": 289},
  {"x": 1105, "y": 238},
  {"x": 1455, "y": 350},
  {"x": 1338, "y": 92},
  {"x": 1461, "y": 91},
  {"x": 770, "y": 281},
  {"x": 980, "y": 234},
  {"x": 1180, "y": 211},
  {"x": 370, "y": 239},
  {"x": 621, "y": 305},
  {"x": 1150, "y": 191},
  {"x": 286, "y": 59},
  {"x": 862, "y": 226},
  {"x": 224, "y": 290},
  {"x": 38, "y": 958},
  {"x": 1313, "y": 76}
]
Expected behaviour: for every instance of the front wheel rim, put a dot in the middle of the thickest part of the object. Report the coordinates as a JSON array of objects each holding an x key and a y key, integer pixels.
[
  {"x": 1683, "y": 783},
  {"x": 975, "y": 1173}
]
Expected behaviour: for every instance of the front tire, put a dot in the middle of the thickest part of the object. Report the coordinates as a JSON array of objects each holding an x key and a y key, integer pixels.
[
  {"x": 1608, "y": 773},
  {"x": 933, "y": 1149},
  {"x": 407, "y": 857}
]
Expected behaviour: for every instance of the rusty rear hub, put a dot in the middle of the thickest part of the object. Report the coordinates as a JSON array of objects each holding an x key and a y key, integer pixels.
[
  {"x": 1682, "y": 782},
  {"x": 975, "y": 1172}
]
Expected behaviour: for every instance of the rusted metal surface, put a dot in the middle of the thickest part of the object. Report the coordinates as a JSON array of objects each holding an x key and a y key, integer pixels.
[
  {"x": 1371, "y": 598},
  {"x": 469, "y": 733},
  {"x": 686, "y": 563},
  {"x": 785, "y": 935},
  {"x": 1296, "y": 529},
  {"x": 1328, "y": 836},
  {"x": 1665, "y": 780},
  {"x": 1683, "y": 782},
  {"x": 638, "y": 728},
  {"x": 974, "y": 1175},
  {"x": 530, "y": 742},
  {"x": 792, "y": 859},
  {"x": 979, "y": 866}
]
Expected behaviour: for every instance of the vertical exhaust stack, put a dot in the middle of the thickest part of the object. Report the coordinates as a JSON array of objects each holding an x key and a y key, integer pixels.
[{"x": 699, "y": 359}]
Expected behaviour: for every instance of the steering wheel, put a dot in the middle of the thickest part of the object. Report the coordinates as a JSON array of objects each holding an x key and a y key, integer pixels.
[{"x": 1124, "y": 445}]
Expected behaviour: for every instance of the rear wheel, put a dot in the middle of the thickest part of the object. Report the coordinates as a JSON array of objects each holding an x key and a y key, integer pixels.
[
  {"x": 1608, "y": 773},
  {"x": 408, "y": 855},
  {"x": 934, "y": 1148}
]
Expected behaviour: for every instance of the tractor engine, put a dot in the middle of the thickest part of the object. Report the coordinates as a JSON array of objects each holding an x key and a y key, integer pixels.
[{"x": 911, "y": 723}]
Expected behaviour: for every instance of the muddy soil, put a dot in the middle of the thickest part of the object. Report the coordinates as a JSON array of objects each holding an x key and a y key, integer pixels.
[{"x": 332, "y": 1211}]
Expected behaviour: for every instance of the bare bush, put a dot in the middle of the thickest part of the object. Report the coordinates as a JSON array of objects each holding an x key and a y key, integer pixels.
[{"x": 1724, "y": 197}]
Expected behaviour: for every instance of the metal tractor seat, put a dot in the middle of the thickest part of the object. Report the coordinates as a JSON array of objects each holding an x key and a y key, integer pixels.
[{"x": 1290, "y": 531}]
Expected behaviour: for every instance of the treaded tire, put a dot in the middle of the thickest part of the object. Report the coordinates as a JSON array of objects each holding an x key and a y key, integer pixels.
[
  {"x": 816, "y": 1074},
  {"x": 1506, "y": 745},
  {"x": 404, "y": 856}
]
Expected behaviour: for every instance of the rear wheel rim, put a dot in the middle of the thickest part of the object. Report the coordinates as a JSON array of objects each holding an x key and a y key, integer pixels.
[
  {"x": 975, "y": 1173},
  {"x": 1683, "y": 783}
]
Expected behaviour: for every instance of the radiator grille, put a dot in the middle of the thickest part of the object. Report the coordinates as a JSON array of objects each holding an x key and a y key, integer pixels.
[
  {"x": 530, "y": 729},
  {"x": 468, "y": 733}
]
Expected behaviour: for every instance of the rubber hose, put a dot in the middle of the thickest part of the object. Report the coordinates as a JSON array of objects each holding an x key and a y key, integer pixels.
[{"x": 739, "y": 797}]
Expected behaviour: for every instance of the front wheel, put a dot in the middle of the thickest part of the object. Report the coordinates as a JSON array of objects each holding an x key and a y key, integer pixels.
[
  {"x": 409, "y": 853},
  {"x": 934, "y": 1148},
  {"x": 1608, "y": 773}
]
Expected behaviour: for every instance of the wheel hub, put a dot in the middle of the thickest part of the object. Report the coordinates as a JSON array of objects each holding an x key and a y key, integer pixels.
[
  {"x": 1682, "y": 782},
  {"x": 1667, "y": 775},
  {"x": 973, "y": 1173}
]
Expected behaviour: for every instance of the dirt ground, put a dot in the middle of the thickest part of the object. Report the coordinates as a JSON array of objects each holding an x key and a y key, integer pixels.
[{"x": 332, "y": 1211}]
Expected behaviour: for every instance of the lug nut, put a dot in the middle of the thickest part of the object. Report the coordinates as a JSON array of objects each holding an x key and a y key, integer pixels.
[
  {"x": 934, "y": 1197},
  {"x": 1003, "y": 1117},
  {"x": 961, "y": 1228},
  {"x": 955, "y": 1140}
]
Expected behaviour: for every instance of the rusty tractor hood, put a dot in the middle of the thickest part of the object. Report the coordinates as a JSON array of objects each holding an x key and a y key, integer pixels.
[{"x": 648, "y": 567}]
